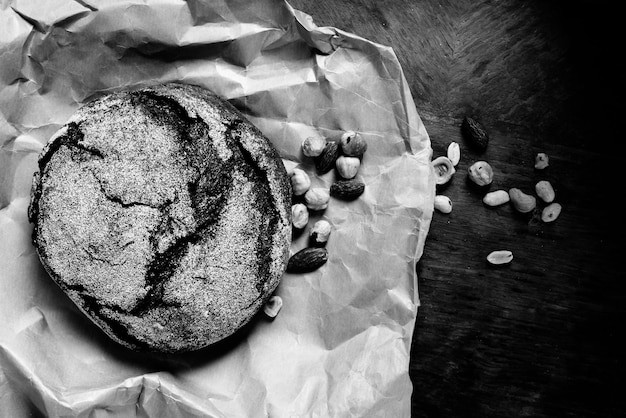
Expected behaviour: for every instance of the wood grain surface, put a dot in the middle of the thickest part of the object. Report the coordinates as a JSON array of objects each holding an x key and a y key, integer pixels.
[{"x": 542, "y": 336}]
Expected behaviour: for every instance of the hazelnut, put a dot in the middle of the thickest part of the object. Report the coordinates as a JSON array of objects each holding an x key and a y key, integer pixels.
[
  {"x": 317, "y": 198},
  {"x": 300, "y": 181},
  {"x": 320, "y": 232},
  {"x": 353, "y": 144},
  {"x": 313, "y": 146},
  {"x": 347, "y": 166},
  {"x": 299, "y": 215}
]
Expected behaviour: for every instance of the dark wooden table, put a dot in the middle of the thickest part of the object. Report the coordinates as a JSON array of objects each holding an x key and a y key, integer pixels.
[{"x": 542, "y": 336}]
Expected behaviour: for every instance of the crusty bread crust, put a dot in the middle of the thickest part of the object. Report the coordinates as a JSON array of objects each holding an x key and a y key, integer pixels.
[{"x": 164, "y": 215}]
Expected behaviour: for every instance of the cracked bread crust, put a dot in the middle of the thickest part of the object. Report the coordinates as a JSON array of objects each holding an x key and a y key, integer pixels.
[{"x": 164, "y": 215}]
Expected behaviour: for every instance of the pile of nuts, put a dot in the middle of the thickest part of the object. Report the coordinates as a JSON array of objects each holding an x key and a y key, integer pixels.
[
  {"x": 481, "y": 174},
  {"x": 344, "y": 155}
]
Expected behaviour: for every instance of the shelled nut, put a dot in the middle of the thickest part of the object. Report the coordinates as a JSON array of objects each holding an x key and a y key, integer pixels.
[
  {"x": 521, "y": 201},
  {"x": 551, "y": 212},
  {"x": 300, "y": 181},
  {"x": 481, "y": 173},
  {"x": 443, "y": 204},
  {"x": 320, "y": 232},
  {"x": 347, "y": 167},
  {"x": 541, "y": 161},
  {"x": 317, "y": 198},
  {"x": 353, "y": 144},
  {"x": 545, "y": 191},
  {"x": 313, "y": 146},
  {"x": 500, "y": 257},
  {"x": 454, "y": 153},
  {"x": 299, "y": 215},
  {"x": 496, "y": 198}
]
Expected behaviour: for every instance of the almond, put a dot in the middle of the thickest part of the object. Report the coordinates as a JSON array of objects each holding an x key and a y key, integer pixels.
[
  {"x": 347, "y": 189},
  {"x": 475, "y": 133},
  {"x": 307, "y": 260},
  {"x": 326, "y": 160}
]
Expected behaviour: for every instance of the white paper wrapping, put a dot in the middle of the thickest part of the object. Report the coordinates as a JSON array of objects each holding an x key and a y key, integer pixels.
[{"x": 340, "y": 346}]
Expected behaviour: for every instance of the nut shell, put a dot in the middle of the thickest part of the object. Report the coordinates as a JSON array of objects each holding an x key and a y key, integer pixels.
[
  {"x": 444, "y": 170},
  {"x": 273, "y": 306}
]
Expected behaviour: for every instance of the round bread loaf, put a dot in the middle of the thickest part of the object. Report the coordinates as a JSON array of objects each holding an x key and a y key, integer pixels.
[{"x": 164, "y": 215}]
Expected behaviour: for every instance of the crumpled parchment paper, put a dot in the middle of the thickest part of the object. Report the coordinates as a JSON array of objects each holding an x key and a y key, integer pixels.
[{"x": 340, "y": 346}]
